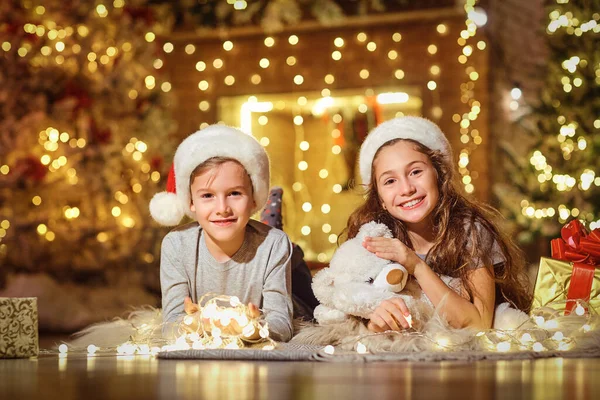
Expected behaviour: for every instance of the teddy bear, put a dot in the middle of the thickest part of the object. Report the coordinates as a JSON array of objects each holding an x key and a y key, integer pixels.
[
  {"x": 357, "y": 281},
  {"x": 355, "y": 284}
]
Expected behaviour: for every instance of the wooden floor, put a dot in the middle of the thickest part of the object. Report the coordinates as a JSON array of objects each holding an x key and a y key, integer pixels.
[{"x": 143, "y": 377}]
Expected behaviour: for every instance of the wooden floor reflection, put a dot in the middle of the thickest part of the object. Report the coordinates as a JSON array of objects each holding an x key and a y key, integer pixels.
[{"x": 144, "y": 377}]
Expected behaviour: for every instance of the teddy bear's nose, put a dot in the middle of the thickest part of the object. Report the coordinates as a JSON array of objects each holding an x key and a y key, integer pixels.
[{"x": 394, "y": 277}]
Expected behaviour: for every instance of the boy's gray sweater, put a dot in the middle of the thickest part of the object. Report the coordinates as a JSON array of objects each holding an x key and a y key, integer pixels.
[{"x": 259, "y": 272}]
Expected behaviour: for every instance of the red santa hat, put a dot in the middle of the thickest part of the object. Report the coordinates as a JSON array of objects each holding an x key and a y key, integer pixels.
[{"x": 168, "y": 208}]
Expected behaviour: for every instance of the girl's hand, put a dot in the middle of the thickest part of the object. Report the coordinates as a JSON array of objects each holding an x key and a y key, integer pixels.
[
  {"x": 389, "y": 315},
  {"x": 393, "y": 250}
]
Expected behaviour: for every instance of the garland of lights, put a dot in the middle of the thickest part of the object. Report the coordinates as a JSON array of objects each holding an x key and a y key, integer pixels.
[
  {"x": 469, "y": 135},
  {"x": 222, "y": 323},
  {"x": 549, "y": 329}
]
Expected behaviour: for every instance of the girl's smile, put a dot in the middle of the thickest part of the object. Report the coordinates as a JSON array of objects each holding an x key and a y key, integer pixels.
[{"x": 412, "y": 204}]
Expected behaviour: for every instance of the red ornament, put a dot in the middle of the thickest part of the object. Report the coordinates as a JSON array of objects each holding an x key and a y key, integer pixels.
[
  {"x": 156, "y": 163},
  {"x": 99, "y": 135},
  {"x": 13, "y": 27},
  {"x": 142, "y": 105},
  {"x": 140, "y": 13},
  {"x": 31, "y": 169},
  {"x": 72, "y": 89}
]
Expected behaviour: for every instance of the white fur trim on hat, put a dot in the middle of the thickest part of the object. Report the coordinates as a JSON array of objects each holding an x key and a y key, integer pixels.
[
  {"x": 416, "y": 128},
  {"x": 168, "y": 208}
]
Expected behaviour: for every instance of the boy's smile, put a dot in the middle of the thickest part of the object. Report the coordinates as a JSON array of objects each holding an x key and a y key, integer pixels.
[
  {"x": 222, "y": 202},
  {"x": 224, "y": 222}
]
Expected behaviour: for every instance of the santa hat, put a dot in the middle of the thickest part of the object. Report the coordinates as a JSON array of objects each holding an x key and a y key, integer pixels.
[
  {"x": 167, "y": 208},
  {"x": 415, "y": 128}
]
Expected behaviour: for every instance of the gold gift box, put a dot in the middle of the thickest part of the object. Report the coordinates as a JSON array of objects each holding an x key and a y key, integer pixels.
[
  {"x": 18, "y": 327},
  {"x": 552, "y": 284}
]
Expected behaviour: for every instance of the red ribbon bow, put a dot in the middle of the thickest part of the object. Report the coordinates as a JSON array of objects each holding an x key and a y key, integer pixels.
[
  {"x": 583, "y": 250},
  {"x": 577, "y": 245}
]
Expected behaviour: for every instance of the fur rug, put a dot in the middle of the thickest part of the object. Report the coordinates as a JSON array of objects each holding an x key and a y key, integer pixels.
[
  {"x": 547, "y": 330},
  {"x": 143, "y": 326},
  {"x": 567, "y": 333}
]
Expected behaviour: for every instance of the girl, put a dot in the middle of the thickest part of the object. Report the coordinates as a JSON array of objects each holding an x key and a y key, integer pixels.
[
  {"x": 407, "y": 166},
  {"x": 220, "y": 177}
]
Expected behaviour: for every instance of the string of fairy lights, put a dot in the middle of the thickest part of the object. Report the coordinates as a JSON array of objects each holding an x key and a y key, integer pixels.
[
  {"x": 570, "y": 137},
  {"x": 470, "y": 135},
  {"x": 547, "y": 330}
]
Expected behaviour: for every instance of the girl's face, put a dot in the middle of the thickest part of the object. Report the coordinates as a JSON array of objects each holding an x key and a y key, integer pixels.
[
  {"x": 406, "y": 183},
  {"x": 222, "y": 201}
]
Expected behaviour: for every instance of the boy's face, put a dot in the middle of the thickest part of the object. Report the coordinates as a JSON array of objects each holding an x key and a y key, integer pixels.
[{"x": 222, "y": 201}]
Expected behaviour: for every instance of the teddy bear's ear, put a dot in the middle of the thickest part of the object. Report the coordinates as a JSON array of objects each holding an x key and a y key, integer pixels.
[
  {"x": 374, "y": 229},
  {"x": 323, "y": 286},
  {"x": 324, "y": 278}
]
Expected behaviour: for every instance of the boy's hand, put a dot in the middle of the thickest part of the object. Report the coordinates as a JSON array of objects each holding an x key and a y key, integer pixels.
[
  {"x": 233, "y": 328},
  {"x": 189, "y": 306},
  {"x": 253, "y": 311}
]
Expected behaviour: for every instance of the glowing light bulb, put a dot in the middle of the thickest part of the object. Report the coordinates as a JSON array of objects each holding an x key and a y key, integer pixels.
[
  {"x": 526, "y": 338},
  {"x": 91, "y": 349},
  {"x": 361, "y": 348},
  {"x": 503, "y": 346},
  {"x": 264, "y": 332},
  {"x": 248, "y": 330},
  {"x": 537, "y": 346}
]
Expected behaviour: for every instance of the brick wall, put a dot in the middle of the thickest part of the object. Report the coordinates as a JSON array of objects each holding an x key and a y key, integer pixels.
[{"x": 314, "y": 61}]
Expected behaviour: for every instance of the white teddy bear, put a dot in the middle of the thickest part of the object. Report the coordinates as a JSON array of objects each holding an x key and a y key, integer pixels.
[{"x": 357, "y": 281}]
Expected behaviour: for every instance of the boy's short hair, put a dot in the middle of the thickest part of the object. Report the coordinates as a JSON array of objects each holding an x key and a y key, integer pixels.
[{"x": 167, "y": 208}]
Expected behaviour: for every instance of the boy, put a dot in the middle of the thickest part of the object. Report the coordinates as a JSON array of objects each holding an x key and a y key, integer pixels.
[{"x": 220, "y": 177}]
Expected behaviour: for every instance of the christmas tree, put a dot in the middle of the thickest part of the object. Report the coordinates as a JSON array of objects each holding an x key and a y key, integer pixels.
[
  {"x": 84, "y": 132},
  {"x": 554, "y": 171}
]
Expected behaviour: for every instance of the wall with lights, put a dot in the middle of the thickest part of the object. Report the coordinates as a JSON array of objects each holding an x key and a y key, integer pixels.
[{"x": 441, "y": 53}]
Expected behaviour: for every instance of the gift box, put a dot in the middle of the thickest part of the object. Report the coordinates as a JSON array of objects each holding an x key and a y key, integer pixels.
[
  {"x": 18, "y": 327},
  {"x": 573, "y": 272}
]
